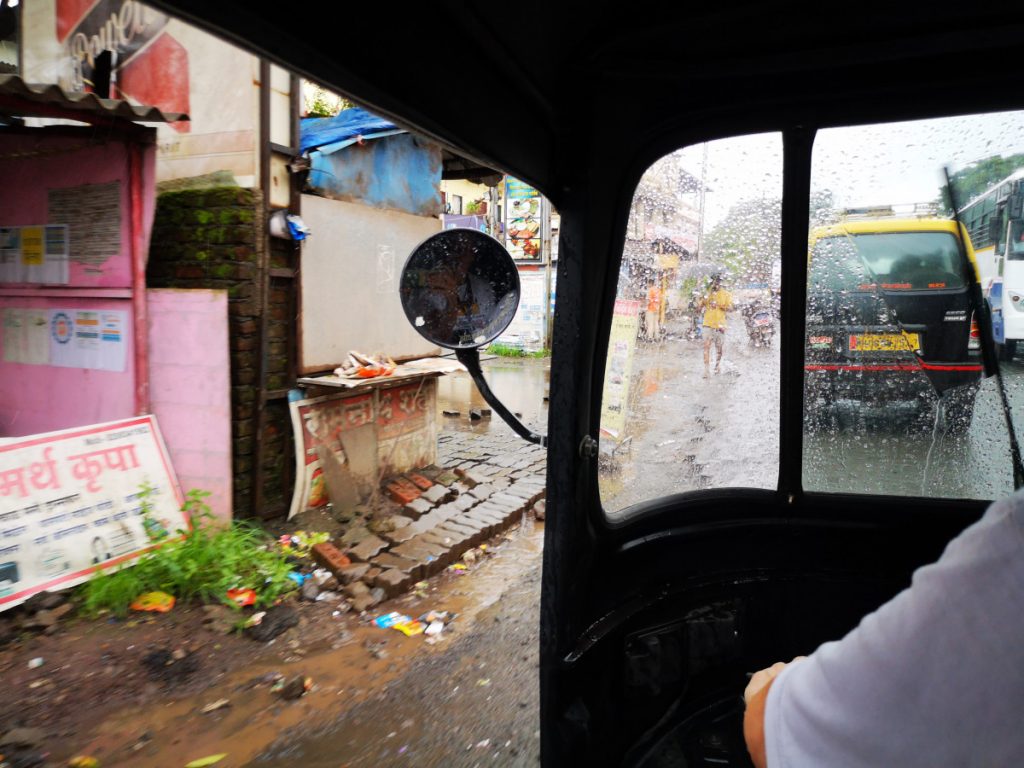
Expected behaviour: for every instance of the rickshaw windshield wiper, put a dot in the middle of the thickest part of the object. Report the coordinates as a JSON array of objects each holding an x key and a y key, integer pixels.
[{"x": 988, "y": 346}]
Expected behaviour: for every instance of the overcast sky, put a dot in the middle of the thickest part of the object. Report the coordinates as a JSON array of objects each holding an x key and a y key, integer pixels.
[{"x": 868, "y": 165}]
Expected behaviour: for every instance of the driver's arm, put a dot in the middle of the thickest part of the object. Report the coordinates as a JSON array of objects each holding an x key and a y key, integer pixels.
[{"x": 931, "y": 678}]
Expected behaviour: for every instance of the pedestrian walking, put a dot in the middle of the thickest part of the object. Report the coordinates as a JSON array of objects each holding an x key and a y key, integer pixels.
[
  {"x": 652, "y": 316},
  {"x": 715, "y": 304}
]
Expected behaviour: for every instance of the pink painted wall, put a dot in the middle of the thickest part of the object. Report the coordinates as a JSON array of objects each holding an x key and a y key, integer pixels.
[
  {"x": 43, "y": 398},
  {"x": 27, "y": 181},
  {"x": 191, "y": 388},
  {"x": 40, "y": 398}
]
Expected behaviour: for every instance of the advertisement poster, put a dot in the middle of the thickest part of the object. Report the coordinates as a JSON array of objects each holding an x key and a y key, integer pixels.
[
  {"x": 392, "y": 430},
  {"x": 92, "y": 339},
  {"x": 621, "y": 345},
  {"x": 36, "y": 254},
  {"x": 527, "y": 329},
  {"x": 71, "y": 504},
  {"x": 522, "y": 217},
  {"x": 150, "y": 66}
]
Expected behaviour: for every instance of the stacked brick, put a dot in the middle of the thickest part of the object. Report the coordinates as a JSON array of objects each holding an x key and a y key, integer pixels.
[
  {"x": 439, "y": 522},
  {"x": 214, "y": 239}
]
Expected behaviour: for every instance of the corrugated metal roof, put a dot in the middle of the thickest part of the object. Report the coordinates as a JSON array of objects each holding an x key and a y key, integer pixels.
[{"x": 54, "y": 97}]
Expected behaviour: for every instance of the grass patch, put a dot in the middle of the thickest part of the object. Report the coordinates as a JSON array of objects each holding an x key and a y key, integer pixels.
[
  {"x": 201, "y": 566},
  {"x": 505, "y": 350}
]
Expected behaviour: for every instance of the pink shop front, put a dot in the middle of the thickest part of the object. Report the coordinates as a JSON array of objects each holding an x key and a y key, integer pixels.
[{"x": 83, "y": 341}]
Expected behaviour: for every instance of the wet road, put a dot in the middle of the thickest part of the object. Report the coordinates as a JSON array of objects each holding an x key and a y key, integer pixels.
[
  {"x": 689, "y": 432},
  {"x": 471, "y": 699},
  {"x": 520, "y": 383}
]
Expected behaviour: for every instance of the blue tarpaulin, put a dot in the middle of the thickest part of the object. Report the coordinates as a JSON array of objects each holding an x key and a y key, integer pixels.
[
  {"x": 329, "y": 134},
  {"x": 400, "y": 172}
]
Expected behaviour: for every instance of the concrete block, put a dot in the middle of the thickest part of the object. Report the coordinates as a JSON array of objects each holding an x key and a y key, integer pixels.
[
  {"x": 367, "y": 549},
  {"x": 393, "y": 582},
  {"x": 389, "y": 561},
  {"x": 352, "y": 573},
  {"x": 416, "y": 508},
  {"x": 465, "y": 501},
  {"x": 482, "y": 491},
  {"x": 436, "y": 494}
]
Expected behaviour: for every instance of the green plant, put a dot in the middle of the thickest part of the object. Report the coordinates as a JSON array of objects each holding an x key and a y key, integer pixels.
[
  {"x": 506, "y": 350},
  {"x": 201, "y": 565}
]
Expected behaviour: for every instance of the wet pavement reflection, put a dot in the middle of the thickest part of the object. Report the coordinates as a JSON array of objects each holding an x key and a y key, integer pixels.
[{"x": 520, "y": 383}]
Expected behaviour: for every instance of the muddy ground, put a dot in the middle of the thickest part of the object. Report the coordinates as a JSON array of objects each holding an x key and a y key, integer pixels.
[{"x": 116, "y": 691}]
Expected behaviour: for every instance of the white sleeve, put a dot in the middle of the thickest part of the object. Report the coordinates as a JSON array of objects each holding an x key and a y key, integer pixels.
[{"x": 935, "y": 677}]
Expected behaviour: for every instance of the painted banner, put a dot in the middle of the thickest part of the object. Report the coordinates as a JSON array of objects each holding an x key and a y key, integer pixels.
[
  {"x": 522, "y": 220},
  {"x": 71, "y": 503},
  {"x": 397, "y": 431},
  {"x": 621, "y": 345},
  {"x": 145, "y": 63}
]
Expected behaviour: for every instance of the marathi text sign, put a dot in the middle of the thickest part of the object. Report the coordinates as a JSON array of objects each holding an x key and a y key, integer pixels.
[
  {"x": 398, "y": 432},
  {"x": 70, "y": 504}
]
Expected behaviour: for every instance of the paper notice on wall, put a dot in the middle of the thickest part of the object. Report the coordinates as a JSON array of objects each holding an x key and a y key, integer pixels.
[
  {"x": 26, "y": 336},
  {"x": 92, "y": 339},
  {"x": 34, "y": 254},
  {"x": 71, "y": 504},
  {"x": 93, "y": 215}
]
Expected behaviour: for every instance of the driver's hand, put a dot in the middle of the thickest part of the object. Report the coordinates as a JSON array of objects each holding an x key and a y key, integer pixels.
[
  {"x": 755, "y": 697},
  {"x": 762, "y": 678}
]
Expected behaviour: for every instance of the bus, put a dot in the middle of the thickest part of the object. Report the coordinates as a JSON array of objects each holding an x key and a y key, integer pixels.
[{"x": 996, "y": 227}]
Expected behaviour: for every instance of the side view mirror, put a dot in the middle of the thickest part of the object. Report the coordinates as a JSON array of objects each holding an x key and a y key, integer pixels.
[
  {"x": 460, "y": 290},
  {"x": 1015, "y": 205},
  {"x": 995, "y": 229}
]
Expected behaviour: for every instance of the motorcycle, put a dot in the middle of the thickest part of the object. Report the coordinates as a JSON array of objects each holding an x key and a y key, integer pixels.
[{"x": 760, "y": 324}]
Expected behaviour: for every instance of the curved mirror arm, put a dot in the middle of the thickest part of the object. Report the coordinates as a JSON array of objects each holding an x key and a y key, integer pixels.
[{"x": 471, "y": 359}]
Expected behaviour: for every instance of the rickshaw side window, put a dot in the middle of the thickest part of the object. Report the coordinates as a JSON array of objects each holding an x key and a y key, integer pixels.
[
  {"x": 700, "y": 274},
  {"x": 894, "y": 400}
]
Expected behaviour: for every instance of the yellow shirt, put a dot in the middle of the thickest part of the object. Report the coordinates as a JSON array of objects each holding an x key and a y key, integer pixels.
[{"x": 715, "y": 306}]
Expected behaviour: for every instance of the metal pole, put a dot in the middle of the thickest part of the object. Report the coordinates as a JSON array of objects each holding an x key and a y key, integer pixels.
[
  {"x": 545, "y": 252},
  {"x": 140, "y": 309},
  {"x": 703, "y": 187}
]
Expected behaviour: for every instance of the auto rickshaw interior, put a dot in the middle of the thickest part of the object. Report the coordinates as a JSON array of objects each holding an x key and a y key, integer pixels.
[{"x": 653, "y": 612}]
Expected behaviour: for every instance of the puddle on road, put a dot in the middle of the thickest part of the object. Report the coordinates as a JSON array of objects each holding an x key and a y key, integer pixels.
[
  {"x": 342, "y": 677},
  {"x": 521, "y": 384}
]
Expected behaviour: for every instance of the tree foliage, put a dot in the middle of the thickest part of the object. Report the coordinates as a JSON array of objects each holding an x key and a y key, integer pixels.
[
  {"x": 747, "y": 240},
  {"x": 976, "y": 178},
  {"x": 320, "y": 102}
]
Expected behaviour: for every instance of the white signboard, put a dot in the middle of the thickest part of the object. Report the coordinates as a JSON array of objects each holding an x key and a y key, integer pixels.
[{"x": 70, "y": 504}]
